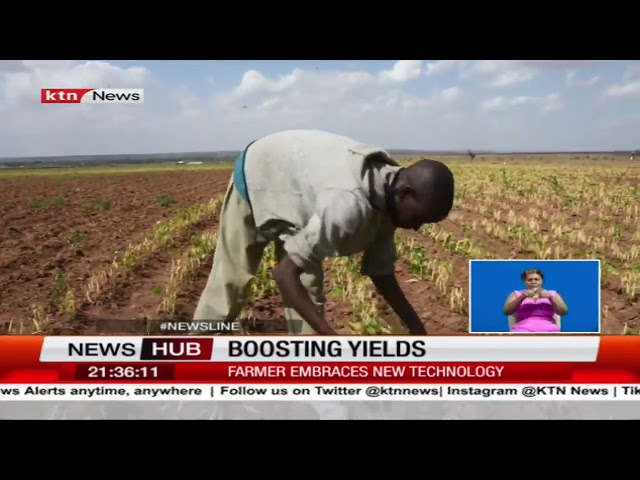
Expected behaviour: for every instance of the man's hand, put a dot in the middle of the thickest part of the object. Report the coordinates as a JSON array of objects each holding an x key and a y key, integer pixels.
[
  {"x": 287, "y": 277},
  {"x": 388, "y": 287}
]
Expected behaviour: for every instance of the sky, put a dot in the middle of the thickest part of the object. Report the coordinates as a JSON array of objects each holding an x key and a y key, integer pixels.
[{"x": 209, "y": 105}]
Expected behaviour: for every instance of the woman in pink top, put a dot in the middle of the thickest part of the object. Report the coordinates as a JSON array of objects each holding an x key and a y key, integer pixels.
[{"x": 535, "y": 310}]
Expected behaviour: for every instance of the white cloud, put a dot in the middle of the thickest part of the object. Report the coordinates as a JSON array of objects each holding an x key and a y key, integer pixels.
[
  {"x": 503, "y": 73},
  {"x": 410, "y": 104},
  {"x": 509, "y": 73},
  {"x": 500, "y": 73},
  {"x": 561, "y": 64},
  {"x": 24, "y": 86},
  {"x": 444, "y": 66},
  {"x": 351, "y": 101},
  {"x": 403, "y": 71},
  {"x": 545, "y": 103},
  {"x": 629, "y": 88},
  {"x": 572, "y": 79},
  {"x": 254, "y": 81},
  {"x": 512, "y": 77}
]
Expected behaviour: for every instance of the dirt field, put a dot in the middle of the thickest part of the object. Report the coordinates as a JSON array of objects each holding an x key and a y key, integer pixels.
[{"x": 121, "y": 246}]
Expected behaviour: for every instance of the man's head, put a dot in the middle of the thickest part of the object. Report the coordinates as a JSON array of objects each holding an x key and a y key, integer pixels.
[{"x": 422, "y": 193}]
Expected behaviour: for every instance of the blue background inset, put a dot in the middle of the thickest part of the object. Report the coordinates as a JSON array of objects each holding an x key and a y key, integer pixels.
[{"x": 578, "y": 282}]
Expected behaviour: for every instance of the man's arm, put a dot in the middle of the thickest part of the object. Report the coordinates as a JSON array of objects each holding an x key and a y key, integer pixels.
[
  {"x": 378, "y": 263},
  {"x": 388, "y": 287},
  {"x": 287, "y": 277},
  {"x": 338, "y": 215}
]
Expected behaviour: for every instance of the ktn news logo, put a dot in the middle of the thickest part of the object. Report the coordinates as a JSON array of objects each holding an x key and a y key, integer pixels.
[{"x": 92, "y": 95}]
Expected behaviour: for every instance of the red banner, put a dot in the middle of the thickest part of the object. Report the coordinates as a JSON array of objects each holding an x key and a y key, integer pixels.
[{"x": 618, "y": 361}]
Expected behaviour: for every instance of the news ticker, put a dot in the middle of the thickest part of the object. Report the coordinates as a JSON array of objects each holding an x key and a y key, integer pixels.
[
  {"x": 314, "y": 348},
  {"x": 312, "y": 359},
  {"x": 335, "y": 392}
]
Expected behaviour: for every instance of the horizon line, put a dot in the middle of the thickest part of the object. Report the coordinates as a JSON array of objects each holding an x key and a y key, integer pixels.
[{"x": 390, "y": 150}]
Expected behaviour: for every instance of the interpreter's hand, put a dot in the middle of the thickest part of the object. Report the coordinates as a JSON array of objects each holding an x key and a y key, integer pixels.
[
  {"x": 544, "y": 294},
  {"x": 530, "y": 293}
]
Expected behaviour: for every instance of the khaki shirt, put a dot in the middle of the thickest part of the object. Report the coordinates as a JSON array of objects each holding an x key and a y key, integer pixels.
[{"x": 322, "y": 195}]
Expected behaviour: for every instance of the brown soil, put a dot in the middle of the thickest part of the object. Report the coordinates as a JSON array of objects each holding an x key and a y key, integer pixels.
[
  {"x": 56, "y": 225},
  {"x": 52, "y": 225}
]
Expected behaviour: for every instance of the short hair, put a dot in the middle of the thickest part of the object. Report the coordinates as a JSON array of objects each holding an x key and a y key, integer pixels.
[
  {"x": 436, "y": 184},
  {"x": 526, "y": 273}
]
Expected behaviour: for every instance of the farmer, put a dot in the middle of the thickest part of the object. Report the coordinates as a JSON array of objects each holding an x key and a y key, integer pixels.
[{"x": 316, "y": 195}]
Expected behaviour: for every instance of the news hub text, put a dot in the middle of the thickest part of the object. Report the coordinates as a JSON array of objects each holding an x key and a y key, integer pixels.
[{"x": 185, "y": 348}]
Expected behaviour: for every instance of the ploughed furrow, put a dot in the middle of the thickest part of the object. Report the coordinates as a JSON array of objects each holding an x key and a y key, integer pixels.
[
  {"x": 58, "y": 233},
  {"x": 136, "y": 280},
  {"x": 185, "y": 299},
  {"x": 107, "y": 292},
  {"x": 259, "y": 315},
  {"x": 58, "y": 230},
  {"x": 148, "y": 291},
  {"x": 506, "y": 236},
  {"x": 442, "y": 279}
]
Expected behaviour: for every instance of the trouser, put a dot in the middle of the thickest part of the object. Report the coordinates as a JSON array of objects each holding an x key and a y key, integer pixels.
[{"x": 237, "y": 256}]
